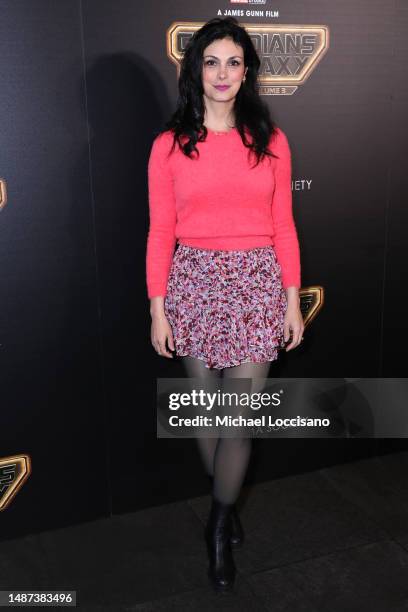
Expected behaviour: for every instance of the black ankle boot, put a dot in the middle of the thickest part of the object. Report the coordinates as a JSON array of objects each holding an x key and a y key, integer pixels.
[
  {"x": 221, "y": 570},
  {"x": 236, "y": 529}
]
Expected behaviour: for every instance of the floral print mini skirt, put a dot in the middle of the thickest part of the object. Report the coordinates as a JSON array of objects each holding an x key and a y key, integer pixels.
[{"x": 226, "y": 307}]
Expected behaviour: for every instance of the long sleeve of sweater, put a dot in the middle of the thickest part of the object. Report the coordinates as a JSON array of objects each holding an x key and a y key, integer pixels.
[
  {"x": 161, "y": 238},
  {"x": 286, "y": 243}
]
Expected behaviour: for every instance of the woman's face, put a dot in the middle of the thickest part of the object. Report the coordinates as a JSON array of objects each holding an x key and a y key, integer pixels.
[{"x": 223, "y": 64}]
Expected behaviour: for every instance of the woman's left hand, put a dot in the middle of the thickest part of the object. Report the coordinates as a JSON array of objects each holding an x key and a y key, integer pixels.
[{"x": 293, "y": 322}]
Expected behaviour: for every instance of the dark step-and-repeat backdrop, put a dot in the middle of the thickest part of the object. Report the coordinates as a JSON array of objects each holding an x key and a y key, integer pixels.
[{"x": 85, "y": 85}]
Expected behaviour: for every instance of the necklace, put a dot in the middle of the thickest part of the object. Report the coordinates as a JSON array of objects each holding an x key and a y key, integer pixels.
[{"x": 218, "y": 133}]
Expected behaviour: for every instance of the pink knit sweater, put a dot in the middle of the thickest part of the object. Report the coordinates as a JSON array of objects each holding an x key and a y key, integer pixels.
[{"x": 218, "y": 201}]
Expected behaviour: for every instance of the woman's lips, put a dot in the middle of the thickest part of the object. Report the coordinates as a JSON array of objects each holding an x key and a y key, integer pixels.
[{"x": 221, "y": 87}]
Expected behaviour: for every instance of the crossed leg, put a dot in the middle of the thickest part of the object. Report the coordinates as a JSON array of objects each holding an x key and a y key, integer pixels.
[{"x": 227, "y": 459}]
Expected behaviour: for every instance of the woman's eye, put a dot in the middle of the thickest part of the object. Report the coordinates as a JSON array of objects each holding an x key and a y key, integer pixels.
[{"x": 234, "y": 62}]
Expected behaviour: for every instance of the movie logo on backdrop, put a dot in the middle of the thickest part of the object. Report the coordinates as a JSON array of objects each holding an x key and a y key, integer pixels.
[
  {"x": 3, "y": 193},
  {"x": 14, "y": 472},
  {"x": 288, "y": 53}
]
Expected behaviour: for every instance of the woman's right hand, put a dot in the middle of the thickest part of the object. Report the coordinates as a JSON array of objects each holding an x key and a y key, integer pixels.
[{"x": 160, "y": 332}]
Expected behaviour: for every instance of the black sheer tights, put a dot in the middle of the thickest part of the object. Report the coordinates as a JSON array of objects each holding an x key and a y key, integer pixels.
[{"x": 226, "y": 459}]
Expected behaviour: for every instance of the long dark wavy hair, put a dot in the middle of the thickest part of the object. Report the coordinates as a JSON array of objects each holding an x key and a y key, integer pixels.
[{"x": 250, "y": 112}]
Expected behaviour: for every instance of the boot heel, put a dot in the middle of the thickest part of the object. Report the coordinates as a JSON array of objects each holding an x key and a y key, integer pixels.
[{"x": 237, "y": 532}]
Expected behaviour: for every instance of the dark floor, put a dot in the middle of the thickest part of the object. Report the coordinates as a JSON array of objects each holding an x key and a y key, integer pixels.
[{"x": 335, "y": 539}]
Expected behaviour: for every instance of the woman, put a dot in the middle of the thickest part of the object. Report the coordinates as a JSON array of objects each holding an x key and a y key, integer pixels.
[{"x": 227, "y": 299}]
